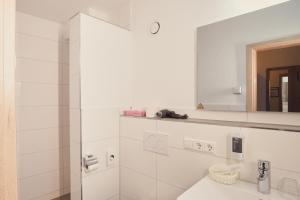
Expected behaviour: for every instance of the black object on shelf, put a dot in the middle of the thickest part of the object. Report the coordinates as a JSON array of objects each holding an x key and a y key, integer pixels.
[{"x": 170, "y": 114}]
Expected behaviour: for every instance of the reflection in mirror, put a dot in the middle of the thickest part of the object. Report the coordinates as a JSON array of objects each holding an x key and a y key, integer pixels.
[
  {"x": 278, "y": 80},
  {"x": 235, "y": 70}
]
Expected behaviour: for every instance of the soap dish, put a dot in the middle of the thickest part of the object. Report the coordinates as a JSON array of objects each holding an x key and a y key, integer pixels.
[{"x": 223, "y": 174}]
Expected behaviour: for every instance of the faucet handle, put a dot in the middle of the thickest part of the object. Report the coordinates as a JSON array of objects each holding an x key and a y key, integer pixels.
[{"x": 264, "y": 165}]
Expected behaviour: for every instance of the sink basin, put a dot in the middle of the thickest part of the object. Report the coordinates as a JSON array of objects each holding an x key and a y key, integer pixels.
[{"x": 207, "y": 189}]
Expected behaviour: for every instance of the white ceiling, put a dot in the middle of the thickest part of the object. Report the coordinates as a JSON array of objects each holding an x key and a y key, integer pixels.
[{"x": 62, "y": 10}]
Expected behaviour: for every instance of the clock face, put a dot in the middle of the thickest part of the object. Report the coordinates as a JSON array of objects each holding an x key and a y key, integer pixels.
[{"x": 154, "y": 29}]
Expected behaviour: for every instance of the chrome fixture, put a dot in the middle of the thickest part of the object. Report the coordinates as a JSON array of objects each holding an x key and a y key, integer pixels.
[{"x": 264, "y": 177}]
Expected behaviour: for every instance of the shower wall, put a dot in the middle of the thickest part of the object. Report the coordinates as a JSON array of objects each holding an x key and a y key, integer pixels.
[
  {"x": 100, "y": 85},
  {"x": 42, "y": 108}
]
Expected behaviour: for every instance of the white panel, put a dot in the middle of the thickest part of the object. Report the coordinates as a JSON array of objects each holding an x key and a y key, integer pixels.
[
  {"x": 134, "y": 156},
  {"x": 38, "y": 163},
  {"x": 36, "y": 48},
  {"x": 134, "y": 128},
  {"x": 37, "y": 118},
  {"x": 38, "y": 140},
  {"x": 32, "y": 187},
  {"x": 178, "y": 131},
  {"x": 168, "y": 192},
  {"x": 105, "y": 63},
  {"x": 99, "y": 124},
  {"x": 35, "y": 71},
  {"x": 99, "y": 150},
  {"x": 137, "y": 186},
  {"x": 30, "y": 25},
  {"x": 279, "y": 147},
  {"x": 103, "y": 185},
  {"x": 32, "y": 94},
  {"x": 183, "y": 168}
]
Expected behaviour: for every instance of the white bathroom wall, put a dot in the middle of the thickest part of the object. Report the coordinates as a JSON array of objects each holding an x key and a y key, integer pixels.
[
  {"x": 165, "y": 64},
  {"x": 150, "y": 176},
  {"x": 42, "y": 102},
  {"x": 101, "y": 73}
]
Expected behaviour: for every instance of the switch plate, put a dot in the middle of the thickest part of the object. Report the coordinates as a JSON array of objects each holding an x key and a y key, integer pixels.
[
  {"x": 156, "y": 142},
  {"x": 200, "y": 145}
]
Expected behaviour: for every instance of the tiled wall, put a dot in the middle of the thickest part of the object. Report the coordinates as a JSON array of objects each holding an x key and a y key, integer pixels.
[
  {"x": 99, "y": 85},
  {"x": 149, "y": 176},
  {"x": 42, "y": 106}
]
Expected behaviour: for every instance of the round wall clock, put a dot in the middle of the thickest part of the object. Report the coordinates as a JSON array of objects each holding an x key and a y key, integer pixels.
[{"x": 155, "y": 27}]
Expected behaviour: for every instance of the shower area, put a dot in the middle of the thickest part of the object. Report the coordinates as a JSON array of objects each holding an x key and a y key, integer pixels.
[{"x": 68, "y": 80}]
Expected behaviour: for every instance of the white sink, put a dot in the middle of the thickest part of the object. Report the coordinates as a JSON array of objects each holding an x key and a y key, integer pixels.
[{"x": 207, "y": 189}]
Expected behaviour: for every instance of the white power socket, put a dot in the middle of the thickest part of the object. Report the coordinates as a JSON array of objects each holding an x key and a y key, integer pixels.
[{"x": 200, "y": 145}]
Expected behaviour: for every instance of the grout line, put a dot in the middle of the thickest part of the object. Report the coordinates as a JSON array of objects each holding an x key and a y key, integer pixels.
[
  {"x": 44, "y": 106},
  {"x": 211, "y": 155},
  {"x": 41, "y": 129},
  {"x": 40, "y": 83},
  {"x": 99, "y": 171},
  {"x": 172, "y": 185},
  {"x": 42, "y": 60},
  {"x": 58, "y": 41},
  {"x": 42, "y": 173},
  {"x": 42, "y": 151},
  {"x": 143, "y": 174},
  {"x": 100, "y": 140}
]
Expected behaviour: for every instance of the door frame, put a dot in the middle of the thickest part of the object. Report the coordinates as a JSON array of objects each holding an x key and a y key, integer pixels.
[
  {"x": 8, "y": 166},
  {"x": 251, "y": 71},
  {"x": 268, "y": 71}
]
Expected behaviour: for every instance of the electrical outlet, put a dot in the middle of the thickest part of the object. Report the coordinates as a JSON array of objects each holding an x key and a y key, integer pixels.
[
  {"x": 210, "y": 147},
  {"x": 200, "y": 145}
]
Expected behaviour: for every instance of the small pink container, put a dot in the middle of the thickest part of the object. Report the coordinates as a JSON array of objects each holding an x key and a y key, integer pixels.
[{"x": 134, "y": 113}]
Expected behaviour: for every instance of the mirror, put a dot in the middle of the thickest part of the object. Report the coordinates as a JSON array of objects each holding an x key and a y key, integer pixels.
[{"x": 251, "y": 62}]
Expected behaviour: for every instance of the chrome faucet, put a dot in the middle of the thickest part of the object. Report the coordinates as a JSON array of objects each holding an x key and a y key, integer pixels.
[{"x": 264, "y": 177}]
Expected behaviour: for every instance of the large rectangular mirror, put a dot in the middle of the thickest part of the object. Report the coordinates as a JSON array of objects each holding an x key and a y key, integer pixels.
[{"x": 251, "y": 62}]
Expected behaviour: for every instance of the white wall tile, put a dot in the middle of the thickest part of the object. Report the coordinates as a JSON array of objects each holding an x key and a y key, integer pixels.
[
  {"x": 41, "y": 120},
  {"x": 183, "y": 168},
  {"x": 38, "y": 163},
  {"x": 279, "y": 147},
  {"x": 137, "y": 186},
  {"x": 134, "y": 156},
  {"x": 32, "y": 94},
  {"x": 106, "y": 182},
  {"x": 36, "y": 48},
  {"x": 31, "y": 25},
  {"x": 167, "y": 192},
  {"x": 179, "y": 130},
  {"x": 31, "y": 118},
  {"x": 99, "y": 149},
  {"x": 99, "y": 124},
  {"x": 32, "y": 187},
  {"x": 249, "y": 173},
  {"x": 135, "y": 127},
  {"x": 34, "y": 71},
  {"x": 33, "y": 141}
]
